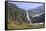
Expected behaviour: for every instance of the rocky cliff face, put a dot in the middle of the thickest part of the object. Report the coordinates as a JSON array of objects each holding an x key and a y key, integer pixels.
[
  {"x": 20, "y": 15},
  {"x": 16, "y": 13},
  {"x": 37, "y": 14}
]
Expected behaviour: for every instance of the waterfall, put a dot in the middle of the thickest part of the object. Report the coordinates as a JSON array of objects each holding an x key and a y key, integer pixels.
[{"x": 28, "y": 16}]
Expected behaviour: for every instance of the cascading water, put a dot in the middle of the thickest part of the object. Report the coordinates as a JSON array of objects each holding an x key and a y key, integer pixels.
[{"x": 28, "y": 16}]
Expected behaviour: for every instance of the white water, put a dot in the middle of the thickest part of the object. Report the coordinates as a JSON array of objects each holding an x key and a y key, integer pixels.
[{"x": 28, "y": 16}]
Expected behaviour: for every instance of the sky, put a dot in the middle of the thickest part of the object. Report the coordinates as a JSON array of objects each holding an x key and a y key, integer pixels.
[{"x": 27, "y": 6}]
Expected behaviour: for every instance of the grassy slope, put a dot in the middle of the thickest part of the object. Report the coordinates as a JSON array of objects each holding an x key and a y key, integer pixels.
[{"x": 12, "y": 25}]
